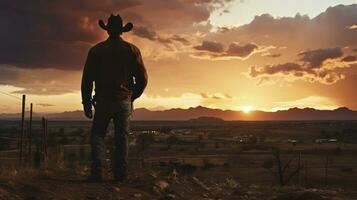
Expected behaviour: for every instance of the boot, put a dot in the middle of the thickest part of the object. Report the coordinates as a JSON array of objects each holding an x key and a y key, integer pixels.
[
  {"x": 121, "y": 179},
  {"x": 120, "y": 175}
]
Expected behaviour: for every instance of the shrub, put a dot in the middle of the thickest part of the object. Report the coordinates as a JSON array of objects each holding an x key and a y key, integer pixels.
[
  {"x": 186, "y": 169},
  {"x": 346, "y": 169},
  {"x": 207, "y": 165}
]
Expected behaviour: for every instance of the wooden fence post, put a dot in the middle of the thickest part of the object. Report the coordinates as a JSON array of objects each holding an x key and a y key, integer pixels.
[
  {"x": 22, "y": 128},
  {"x": 306, "y": 172},
  {"x": 30, "y": 135},
  {"x": 44, "y": 143},
  {"x": 299, "y": 167},
  {"x": 37, "y": 156}
]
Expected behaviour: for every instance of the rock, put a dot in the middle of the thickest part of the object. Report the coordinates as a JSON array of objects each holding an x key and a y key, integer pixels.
[
  {"x": 232, "y": 183},
  {"x": 117, "y": 189},
  {"x": 200, "y": 183},
  {"x": 170, "y": 196},
  {"x": 153, "y": 174},
  {"x": 161, "y": 184},
  {"x": 174, "y": 175},
  {"x": 138, "y": 195}
]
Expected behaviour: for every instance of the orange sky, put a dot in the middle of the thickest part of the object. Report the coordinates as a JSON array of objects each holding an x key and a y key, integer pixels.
[{"x": 197, "y": 52}]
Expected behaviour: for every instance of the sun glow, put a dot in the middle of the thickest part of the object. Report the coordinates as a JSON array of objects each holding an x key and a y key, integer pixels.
[{"x": 247, "y": 109}]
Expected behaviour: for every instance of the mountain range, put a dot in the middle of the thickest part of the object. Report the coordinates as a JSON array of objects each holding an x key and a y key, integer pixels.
[{"x": 179, "y": 114}]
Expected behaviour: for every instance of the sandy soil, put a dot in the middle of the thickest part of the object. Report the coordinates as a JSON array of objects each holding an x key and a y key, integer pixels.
[{"x": 66, "y": 184}]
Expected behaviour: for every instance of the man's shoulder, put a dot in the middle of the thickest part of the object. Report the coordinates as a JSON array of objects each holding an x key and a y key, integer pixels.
[
  {"x": 102, "y": 45},
  {"x": 97, "y": 46},
  {"x": 131, "y": 45}
]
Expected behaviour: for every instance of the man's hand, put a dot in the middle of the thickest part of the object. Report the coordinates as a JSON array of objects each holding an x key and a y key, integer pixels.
[{"x": 88, "y": 110}]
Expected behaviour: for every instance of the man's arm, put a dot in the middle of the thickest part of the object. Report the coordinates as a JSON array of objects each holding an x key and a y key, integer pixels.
[
  {"x": 87, "y": 84},
  {"x": 140, "y": 75}
]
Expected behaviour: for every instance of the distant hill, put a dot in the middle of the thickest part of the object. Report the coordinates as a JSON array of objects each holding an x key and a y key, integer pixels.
[
  {"x": 206, "y": 119},
  {"x": 291, "y": 114},
  {"x": 202, "y": 113},
  {"x": 67, "y": 115}
]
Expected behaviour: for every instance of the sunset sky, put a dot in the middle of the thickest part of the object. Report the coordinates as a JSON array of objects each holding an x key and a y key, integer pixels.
[{"x": 243, "y": 54}]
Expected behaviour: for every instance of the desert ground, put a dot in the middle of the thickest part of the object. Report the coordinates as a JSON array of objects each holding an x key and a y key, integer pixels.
[{"x": 196, "y": 159}]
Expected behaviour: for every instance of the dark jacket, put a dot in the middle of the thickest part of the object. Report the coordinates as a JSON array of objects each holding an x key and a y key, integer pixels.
[{"x": 117, "y": 69}]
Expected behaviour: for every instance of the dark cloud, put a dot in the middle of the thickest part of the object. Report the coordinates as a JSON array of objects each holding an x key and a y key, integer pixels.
[
  {"x": 51, "y": 34},
  {"x": 174, "y": 15},
  {"x": 223, "y": 29},
  {"x": 210, "y": 46},
  {"x": 274, "y": 69},
  {"x": 214, "y": 49},
  {"x": 241, "y": 50},
  {"x": 58, "y": 33},
  {"x": 149, "y": 34},
  {"x": 329, "y": 76},
  {"x": 181, "y": 39},
  {"x": 44, "y": 54},
  {"x": 39, "y": 81},
  {"x": 315, "y": 58},
  {"x": 59, "y": 20},
  {"x": 311, "y": 67},
  {"x": 144, "y": 32},
  {"x": 297, "y": 71},
  {"x": 349, "y": 58}
]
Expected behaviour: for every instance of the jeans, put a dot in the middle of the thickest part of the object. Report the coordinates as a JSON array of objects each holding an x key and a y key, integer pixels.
[{"x": 120, "y": 113}]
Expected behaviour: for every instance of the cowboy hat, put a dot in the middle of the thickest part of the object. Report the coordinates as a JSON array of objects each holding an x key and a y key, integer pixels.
[{"x": 115, "y": 24}]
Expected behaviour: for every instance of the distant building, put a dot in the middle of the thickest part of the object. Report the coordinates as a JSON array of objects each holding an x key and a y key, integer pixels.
[
  {"x": 333, "y": 140},
  {"x": 325, "y": 140},
  {"x": 150, "y": 132},
  {"x": 319, "y": 141},
  {"x": 292, "y": 141},
  {"x": 246, "y": 139}
]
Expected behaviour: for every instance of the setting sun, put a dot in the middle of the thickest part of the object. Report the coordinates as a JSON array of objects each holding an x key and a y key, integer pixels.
[{"x": 247, "y": 109}]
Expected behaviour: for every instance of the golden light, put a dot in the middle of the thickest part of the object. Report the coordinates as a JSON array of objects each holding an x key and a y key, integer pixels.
[{"x": 246, "y": 109}]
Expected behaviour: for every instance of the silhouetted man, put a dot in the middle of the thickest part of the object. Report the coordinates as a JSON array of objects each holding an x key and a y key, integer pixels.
[{"x": 118, "y": 72}]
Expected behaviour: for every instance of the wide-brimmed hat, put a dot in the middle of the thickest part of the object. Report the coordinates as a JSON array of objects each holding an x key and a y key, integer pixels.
[{"x": 115, "y": 24}]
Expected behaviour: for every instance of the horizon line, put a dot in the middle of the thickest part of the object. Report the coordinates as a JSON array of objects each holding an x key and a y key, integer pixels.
[{"x": 199, "y": 106}]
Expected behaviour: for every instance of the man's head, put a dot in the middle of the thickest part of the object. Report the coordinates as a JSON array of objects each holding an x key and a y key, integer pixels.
[{"x": 115, "y": 26}]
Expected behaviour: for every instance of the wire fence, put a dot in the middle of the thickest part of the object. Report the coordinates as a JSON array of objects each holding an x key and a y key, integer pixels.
[{"x": 23, "y": 138}]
